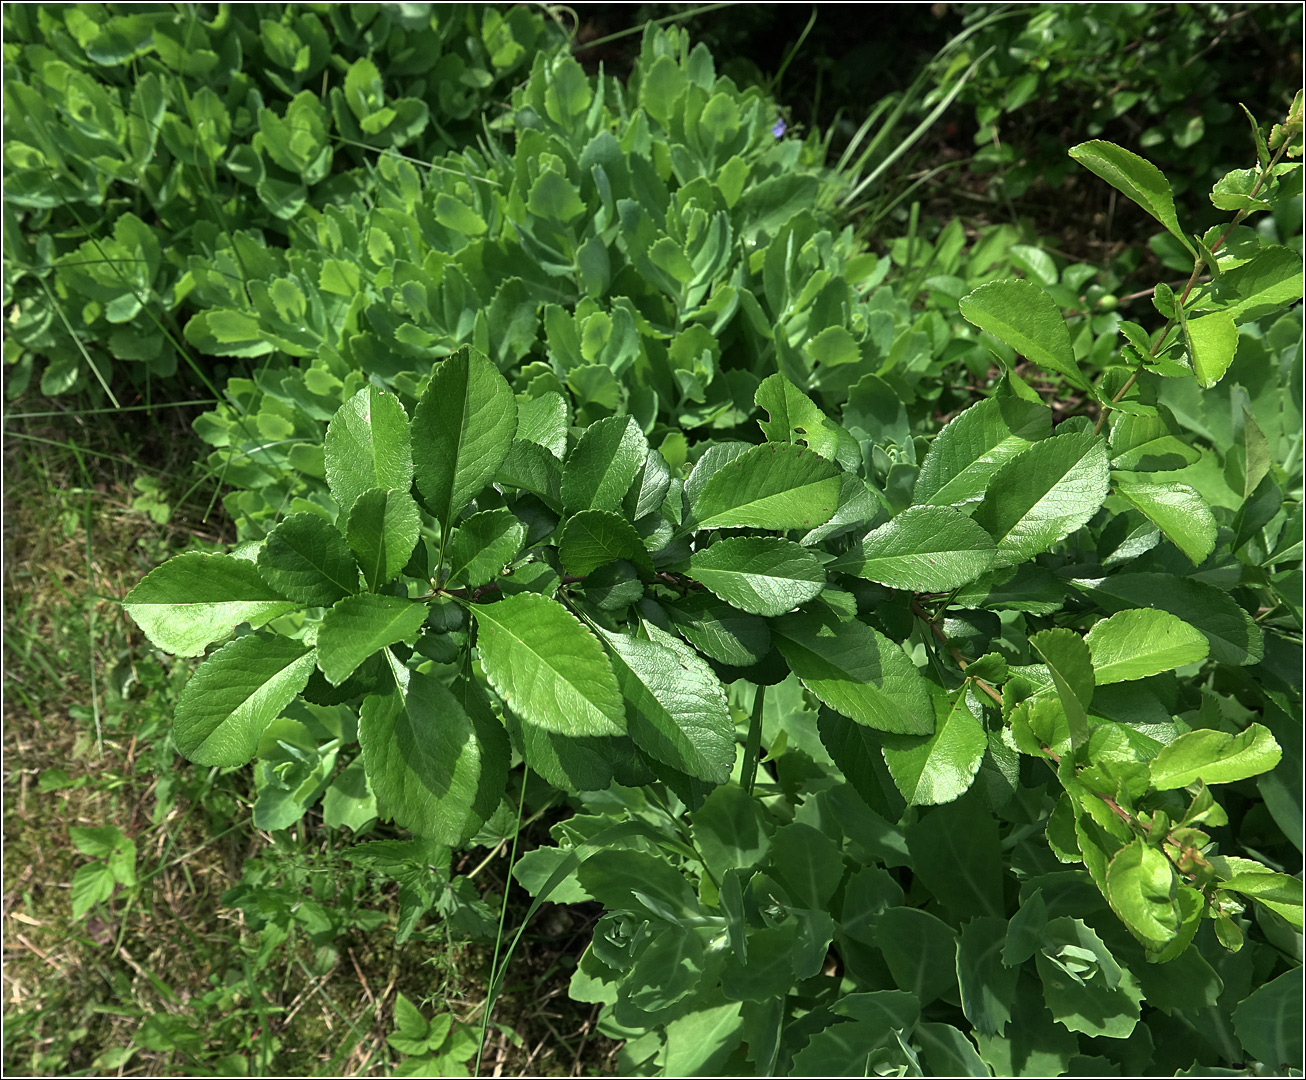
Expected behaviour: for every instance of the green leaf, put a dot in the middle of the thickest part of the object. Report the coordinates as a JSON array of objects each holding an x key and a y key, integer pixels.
[
  {"x": 192, "y": 600},
  {"x": 593, "y": 538},
  {"x": 925, "y": 549},
  {"x": 532, "y": 468},
  {"x": 956, "y": 852},
  {"x": 1136, "y": 178},
  {"x": 603, "y": 465},
  {"x": 774, "y": 486},
  {"x": 676, "y": 711},
  {"x": 359, "y": 626},
  {"x": 382, "y": 531},
  {"x": 921, "y": 951},
  {"x": 550, "y": 670},
  {"x": 92, "y": 884},
  {"x": 1135, "y": 644},
  {"x": 1071, "y": 666},
  {"x": 1278, "y": 892},
  {"x": 367, "y": 446},
  {"x": 763, "y": 575},
  {"x": 720, "y": 631},
  {"x": 483, "y": 545},
  {"x": 856, "y": 671},
  {"x": 437, "y": 767},
  {"x": 1179, "y": 512},
  {"x": 306, "y": 559},
  {"x": 1084, "y": 986},
  {"x": 462, "y": 429},
  {"x": 795, "y": 418},
  {"x": 948, "y": 1051},
  {"x": 350, "y": 802},
  {"x": 235, "y": 694},
  {"x": 700, "y": 1043},
  {"x": 976, "y": 444},
  {"x": 938, "y": 768},
  {"x": 457, "y": 215},
  {"x": 729, "y": 830},
  {"x": 1270, "y": 281},
  {"x": 1022, "y": 315},
  {"x": 1044, "y": 494},
  {"x": 987, "y": 984},
  {"x": 807, "y": 863},
  {"x": 543, "y": 420},
  {"x": 1144, "y": 443},
  {"x": 1233, "y": 635},
  {"x": 1214, "y": 757},
  {"x": 553, "y": 197},
  {"x": 619, "y": 879},
  {"x": 1142, "y": 889},
  {"x": 1268, "y": 1023},
  {"x": 1212, "y": 341}
]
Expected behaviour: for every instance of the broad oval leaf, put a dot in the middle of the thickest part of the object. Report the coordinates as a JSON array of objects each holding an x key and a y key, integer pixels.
[
  {"x": 1043, "y": 495},
  {"x": 306, "y": 559},
  {"x": 763, "y": 575},
  {"x": 1135, "y": 644},
  {"x": 939, "y": 767},
  {"x": 462, "y": 429},
  {"x": 857, "y": 671},
  {"x": 603, "y": 465},
  {"x": 592, "y": 538},
  {"x": 1021, "y": 314},
  {"x": 359, "y": 626},
  {"x": 1135, "y": 177},
  {"x": 1212, "y": 341},
  {"x": 1179, "y": 512},
  {"x": 192, "y": 600},
  {"x": 775, "y": 486},
  {"x": 1214, "y": 757},
  {"x": 368, "y": 446},
  {"x": 1141, "y": 887},
  {"x": 382, "y": 531},
  {"x": 550, "y": 670},
  {"x": 974, "y": 445},
  {"x": 483, "y": 545},
  {"x": 235, "y": 694},
  {"x": 925, "y": 549},
  {"x": 717, "y": 630},
  {"x": 675, "y": 708},
  {"x": 437, "y": 767}
]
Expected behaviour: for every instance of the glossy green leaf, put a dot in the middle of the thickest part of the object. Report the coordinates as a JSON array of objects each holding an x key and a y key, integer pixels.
[
  {"x": 359, "y": 626},
  {"x": 543, "y": 420},
  {"x": 762, "y": 575},
  {"x": 1212, "y": 341},
  {"x": 483, "y": 545},
  {"x": 793, "y": 417},
  {"x": 382, "y": 532},
  {"x": 550, "y": 670},
  {"x": 306, "y": 559},
  {"x": 1070, "y": 664},
  {"x": 437, "y": 767},
  {"x": 700, "y": 1043},
  {"x": 1214, "y": 757},
  {"x": 1135, "y": 644},
  {"x": 593, "y": 538},
  {"x": 1043, "y": 495},
  {"x": 937, "y": 768},
  {"x": 1179, "y": 512},
  {"x": 235, "y": 694},
  {"x": 775, "y": 486},
  {"x": 1134, "y": 177},
  {"x": 856, "y": 671},
  {"x": 1021, "y": 314},
  {"x": 462, "y": 429},
  {"x": 192, "y": 600},
  {"x": 924, "y": 549},
  {"x": 1233, "y": 635},
  {"x": 603, "y": 465},
  {"x": 976, "y": 444},
  {"x": 717, "y": 630},
  {"x": 1142, "y": 888},
  {"x": 1267, "y": 283},
  {"x": 675, "y": 707},
  {"x": 368, "y": 446}
]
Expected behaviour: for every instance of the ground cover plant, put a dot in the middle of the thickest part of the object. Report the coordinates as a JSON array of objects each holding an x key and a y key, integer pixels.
[{"x": 902, "y": 648}]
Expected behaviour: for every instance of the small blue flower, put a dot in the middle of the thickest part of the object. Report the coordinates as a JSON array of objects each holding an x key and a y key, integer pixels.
[{"x": 779, "y": 128}]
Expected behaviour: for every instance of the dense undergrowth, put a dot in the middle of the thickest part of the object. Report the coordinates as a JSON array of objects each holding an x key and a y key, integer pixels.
[{"x": 488, "y": 350}]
